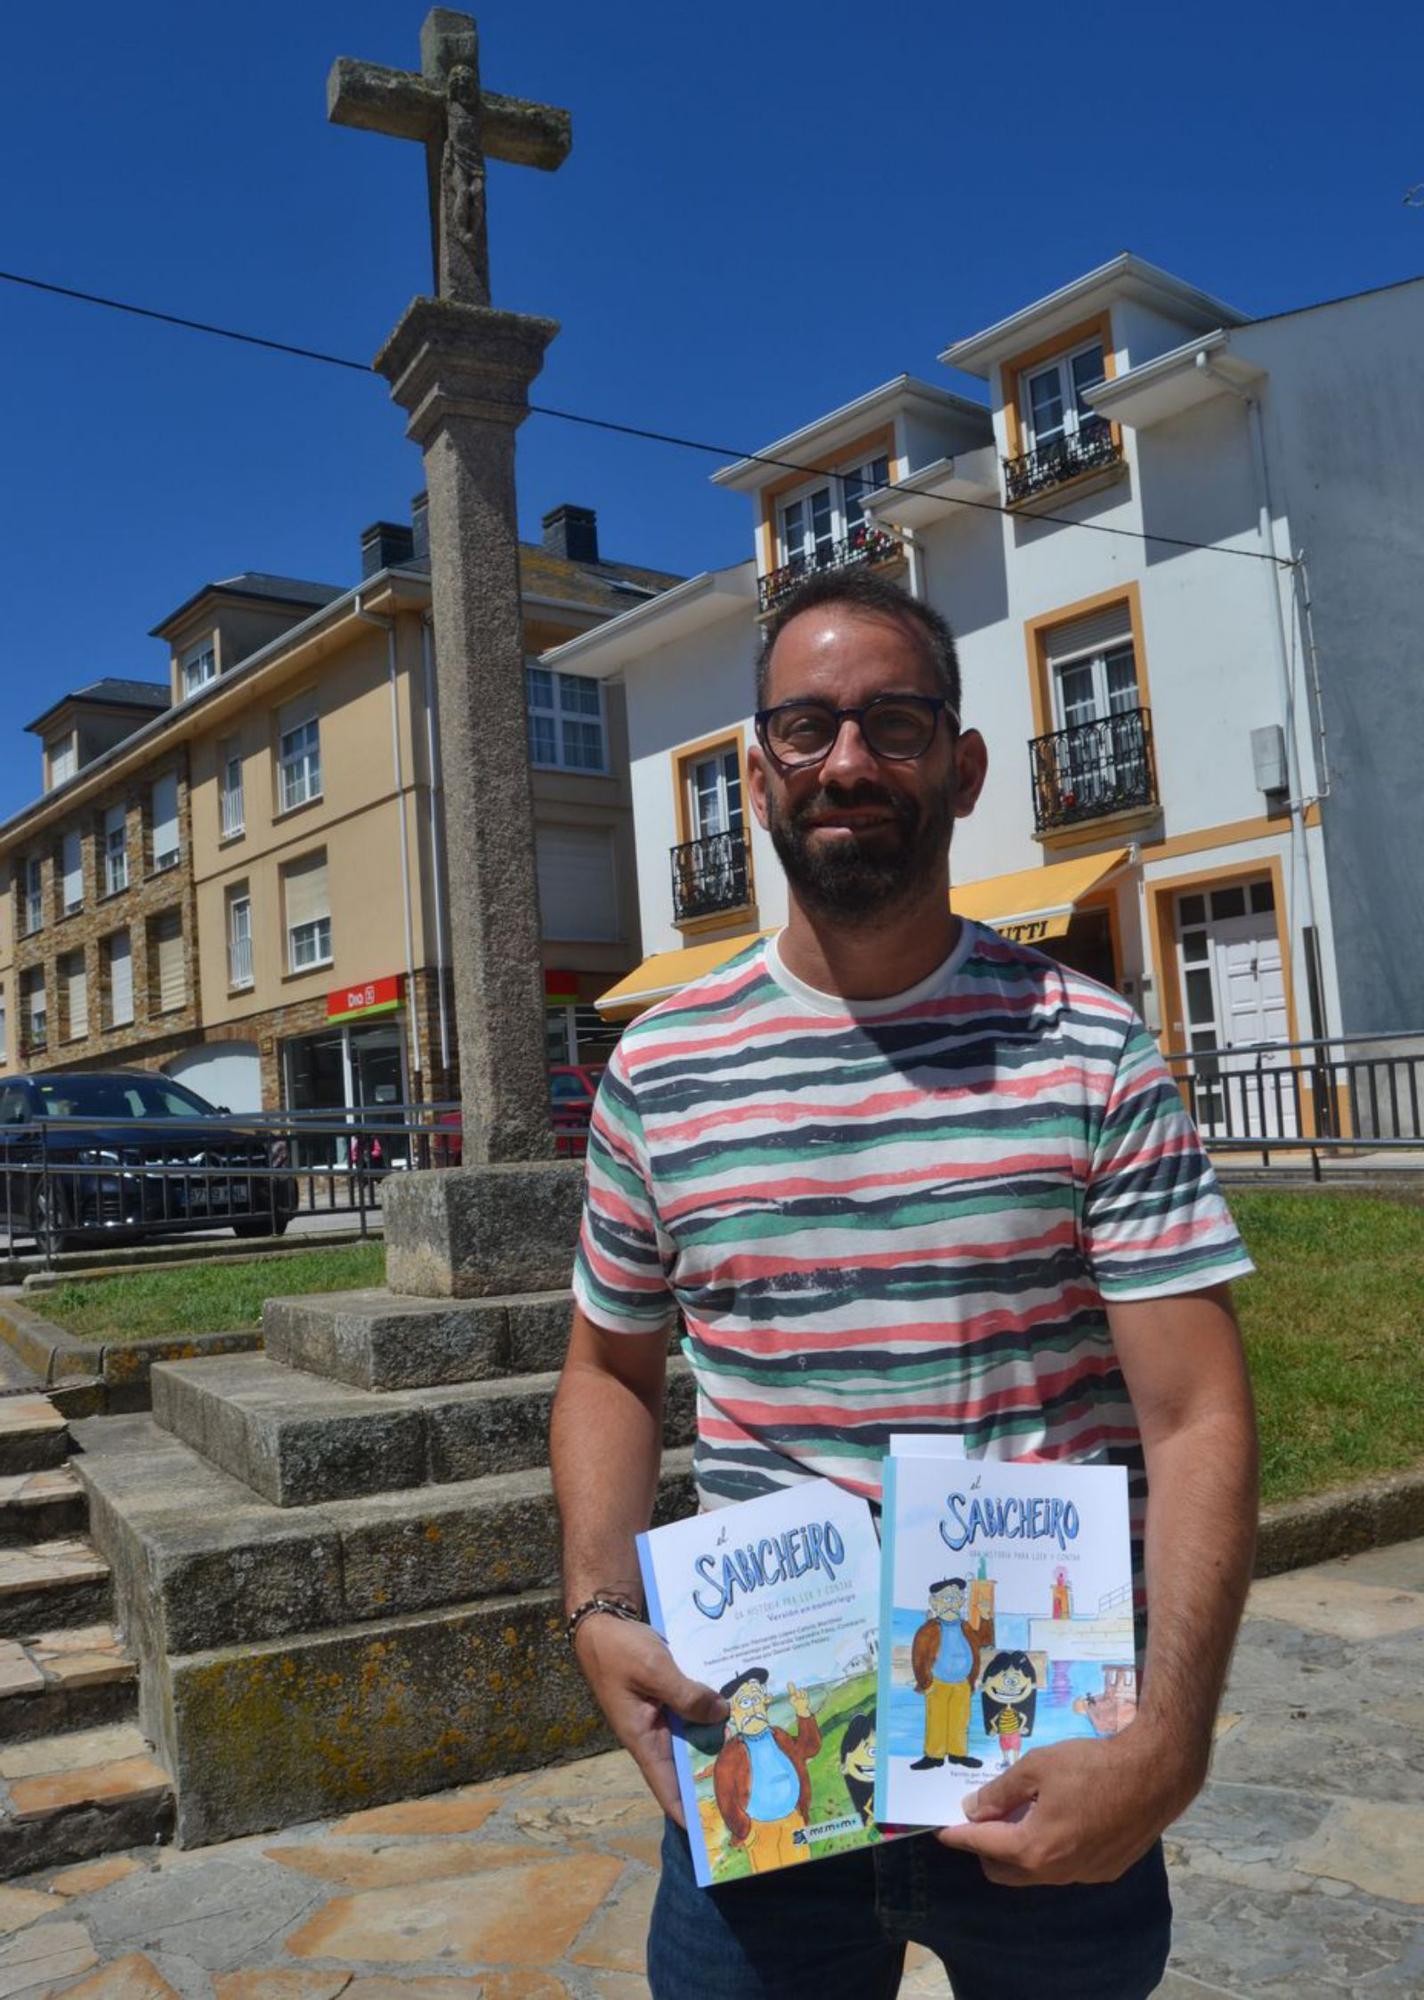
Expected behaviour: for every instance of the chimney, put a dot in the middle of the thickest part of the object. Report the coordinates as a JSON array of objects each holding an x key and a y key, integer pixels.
[
  {"x": 572, "y": 532},
  {"x": 420, "y": 526},
  {"x": 385, "y": 545}
]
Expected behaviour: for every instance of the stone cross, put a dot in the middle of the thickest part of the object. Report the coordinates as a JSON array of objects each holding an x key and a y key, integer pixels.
[{"x": 460, "y": 126}]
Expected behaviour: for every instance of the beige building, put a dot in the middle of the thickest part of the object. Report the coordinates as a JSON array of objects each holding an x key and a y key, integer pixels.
[{"x": 239, "y": 877}]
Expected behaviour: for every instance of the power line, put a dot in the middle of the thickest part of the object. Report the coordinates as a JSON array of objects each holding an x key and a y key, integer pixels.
[{"x": 642, "y": 431}]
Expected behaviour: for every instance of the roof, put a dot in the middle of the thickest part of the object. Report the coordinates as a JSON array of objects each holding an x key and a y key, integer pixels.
[
  {"x": 257, "y": 586},
  {"x": 838, "y": 428},
  {"x": 675, "y": 613},
  {"x": 148, "y": 696},
  {"x": 608, "y": 587}
]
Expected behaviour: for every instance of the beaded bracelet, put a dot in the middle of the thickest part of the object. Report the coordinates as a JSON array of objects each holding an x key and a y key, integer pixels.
[{"x": 616, "y": 1607}]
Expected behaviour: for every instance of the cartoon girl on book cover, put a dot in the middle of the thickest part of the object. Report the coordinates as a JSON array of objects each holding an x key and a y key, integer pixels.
[
  {"x": 760, "y": 1779},
  {"x": 1009, "y": 1696}
]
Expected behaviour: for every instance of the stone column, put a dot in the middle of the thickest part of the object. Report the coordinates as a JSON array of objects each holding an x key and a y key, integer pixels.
[{"x": 505, "y": 1221}]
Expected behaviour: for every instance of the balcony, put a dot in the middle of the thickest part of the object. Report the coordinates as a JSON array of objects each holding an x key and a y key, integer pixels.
[
  {"x": 1092, "y": 770},
  {"x": 862, "y": 545},
  {"x": 710, "y": 875},
  {"x": 1090, "y": 448}
]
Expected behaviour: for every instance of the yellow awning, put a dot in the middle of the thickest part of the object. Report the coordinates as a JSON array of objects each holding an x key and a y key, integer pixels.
[
  {"x": 668, "y": 972},
  {"x": 1037, "y": 903}
]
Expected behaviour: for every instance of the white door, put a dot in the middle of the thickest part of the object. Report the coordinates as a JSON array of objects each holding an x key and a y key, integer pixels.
[
  {"x": 227, "y": 1073},
  {"x": 1233, "y": 983}
]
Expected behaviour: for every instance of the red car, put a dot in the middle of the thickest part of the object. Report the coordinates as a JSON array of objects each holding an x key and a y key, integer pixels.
[{"x": 572, "y": 1089}]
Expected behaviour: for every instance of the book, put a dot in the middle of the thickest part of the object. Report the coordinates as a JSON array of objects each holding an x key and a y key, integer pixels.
[
  {"x": 1005, "y": 1620},
  {"x": 774, "y": 1602}
]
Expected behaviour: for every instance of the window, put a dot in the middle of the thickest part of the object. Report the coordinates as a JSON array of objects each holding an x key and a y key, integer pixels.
[
  {"x": 565, "y": 720},
  {"x": 1093, "y": 666},
  {"x": 116, "y": 853},
  {"x": 239, "y": 938},
  {"x": 199, "y": 666},
  {"x": 711, "y": 871},
  {"x": 308, "y": 913},
  {"x": 578, "y": 896},
  {"x": 298, "y": 757},
  {"x": 71, "y": 856},
  {"x": 816, "y": 520},
  {"x": 714, "y": 793},
  {"x": 75, "y": 985},
  {"x": 34, "y": 894},
  {"x": 1055, "y": 405},
  {"x": 230, "y": 788},
  {"x": 32, "y": 1003},
  {"x": 4, "y": 1044},
  {"x": 164, "y": 815},
  {"x": 63, "y": 760},
  {"x": 1095, "y": 755},
  {"x": 118, "y": 959},
  {"x": 167, "y": 975}
]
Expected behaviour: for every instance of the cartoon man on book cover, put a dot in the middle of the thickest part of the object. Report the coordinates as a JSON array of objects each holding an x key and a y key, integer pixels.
[
  {"x": 944, "y": 1659},
  {"x": 760, "y": 1779}
]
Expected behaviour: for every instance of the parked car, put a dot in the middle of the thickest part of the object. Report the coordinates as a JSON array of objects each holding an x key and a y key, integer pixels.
[
  {"x": 108, "y": 1153},
  {"x": 572, "y": 1089}
]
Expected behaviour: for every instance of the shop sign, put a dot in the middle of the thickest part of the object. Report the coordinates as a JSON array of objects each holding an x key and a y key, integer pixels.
[
  {"x": 359, "y": 1003},
  {"x": 1025, "y": 933},
  {"x": 560, "y": 988}
]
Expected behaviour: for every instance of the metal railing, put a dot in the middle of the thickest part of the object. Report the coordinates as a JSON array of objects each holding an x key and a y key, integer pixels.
[
  {"x": 710, "y": 874},
  {"x": 1330, "y": 1097},
  {"x": 863, "y": 544},
  {"x": 72, "y": 1183},
  {"x": 1048, "y": 465},
  {"x": 1094, "y": 768}
]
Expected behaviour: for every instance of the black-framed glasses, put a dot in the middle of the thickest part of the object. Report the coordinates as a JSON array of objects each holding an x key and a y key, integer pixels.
[{"x": 897, "y": 727}]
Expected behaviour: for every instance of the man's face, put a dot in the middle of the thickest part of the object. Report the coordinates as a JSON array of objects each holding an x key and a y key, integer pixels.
[
  {"x": 947, "y": 1603},
  {"x": 857, "y": 834},
  {"x": 748, "y": 1706}
]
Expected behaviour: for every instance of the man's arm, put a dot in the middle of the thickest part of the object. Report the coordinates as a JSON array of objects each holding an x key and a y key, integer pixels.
[
  {"x": 1088, "y": 1810},
  {"x": 605, "y": 1444}
]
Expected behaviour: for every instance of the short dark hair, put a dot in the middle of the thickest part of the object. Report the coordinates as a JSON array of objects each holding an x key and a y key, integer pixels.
[
  {"x": 872, "y": 596},
  {"x": 945, "y": 1582}
]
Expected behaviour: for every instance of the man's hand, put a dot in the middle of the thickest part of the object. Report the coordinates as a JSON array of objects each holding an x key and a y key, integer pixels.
[
  {"x": 637, "y": 1684},
  {"x": 1076, "y": 1812},
  {"x": 800, "y": 1700}
]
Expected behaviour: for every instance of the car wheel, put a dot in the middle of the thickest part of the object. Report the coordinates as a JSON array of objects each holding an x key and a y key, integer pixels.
[
  {"x": 275, "y": 1225},
  {"x": 48, "y": 1221}
]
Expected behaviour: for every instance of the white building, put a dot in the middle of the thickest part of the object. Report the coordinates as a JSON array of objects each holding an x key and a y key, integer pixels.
[{"x": 1180, "y": 551}]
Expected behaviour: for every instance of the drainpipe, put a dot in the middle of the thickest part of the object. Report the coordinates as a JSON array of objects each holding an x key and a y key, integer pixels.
[
  {"x": 388, "y": 625},
  {"x": 1267, "y": 534},
  {"x": 437, "y": 827}
]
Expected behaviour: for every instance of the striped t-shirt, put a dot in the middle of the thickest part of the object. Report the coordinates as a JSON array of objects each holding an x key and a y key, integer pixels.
[{"x": 896, "y": 1214}]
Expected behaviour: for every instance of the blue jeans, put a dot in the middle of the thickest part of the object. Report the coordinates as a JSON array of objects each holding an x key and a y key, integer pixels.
[{"x": 837, "y": 1929}]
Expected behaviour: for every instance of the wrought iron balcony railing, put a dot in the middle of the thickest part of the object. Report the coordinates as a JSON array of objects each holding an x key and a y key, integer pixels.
[
  {"x": 1049, "y": 465},
  {"x": 1093, "y": 769},
  {"x": 862, "y": 545},
  {"x": 709, "y": 875}
]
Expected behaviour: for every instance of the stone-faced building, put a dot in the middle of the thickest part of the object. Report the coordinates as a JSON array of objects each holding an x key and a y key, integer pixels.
[{"x": 238, "y": 876}]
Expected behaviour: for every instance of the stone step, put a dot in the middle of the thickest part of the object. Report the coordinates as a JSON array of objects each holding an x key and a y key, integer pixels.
[
  {"x": 385, "y": 1340},
  {"x": 69, "y": 1797},
  {"x": 48, "y": 1584},
  {"x": 199, "y": 1560},
  {"x": 299, "y": 1439},
  {"x": 33, "y": 1434},
  {"x": 74, "y": 1678},
  {"x": 39, "y": 1506}
]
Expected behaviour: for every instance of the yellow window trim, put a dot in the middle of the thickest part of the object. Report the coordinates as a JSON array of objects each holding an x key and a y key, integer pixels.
[{"x": 1013, "y": 371}]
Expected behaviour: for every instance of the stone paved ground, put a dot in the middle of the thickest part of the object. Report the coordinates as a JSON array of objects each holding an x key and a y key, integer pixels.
[{"x": 1300, "y": 1871}]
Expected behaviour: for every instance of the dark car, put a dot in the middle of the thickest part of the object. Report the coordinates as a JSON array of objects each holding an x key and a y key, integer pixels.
[{"x": 107, "y": 1153}]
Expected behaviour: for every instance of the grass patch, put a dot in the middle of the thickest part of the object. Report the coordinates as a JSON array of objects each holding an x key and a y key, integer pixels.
[
  {"x": 1333, "y": 1323},
  {"x": 204, "y": 1298}
]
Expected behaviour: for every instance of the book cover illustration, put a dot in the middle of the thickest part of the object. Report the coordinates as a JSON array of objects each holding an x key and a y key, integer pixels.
[
  {"x": 774, "y": 1602},
  {"x": 1005, "y": 1624}
]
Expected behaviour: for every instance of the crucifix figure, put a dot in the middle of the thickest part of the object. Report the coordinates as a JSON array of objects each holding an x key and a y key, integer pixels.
[{"x": 460, "y": 126}]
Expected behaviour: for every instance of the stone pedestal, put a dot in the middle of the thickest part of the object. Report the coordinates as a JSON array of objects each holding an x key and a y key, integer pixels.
[{"x": 477, "y": 1232}]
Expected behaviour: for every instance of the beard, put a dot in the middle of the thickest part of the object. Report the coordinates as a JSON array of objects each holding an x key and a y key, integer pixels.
[{"x": 851, "y": 878}]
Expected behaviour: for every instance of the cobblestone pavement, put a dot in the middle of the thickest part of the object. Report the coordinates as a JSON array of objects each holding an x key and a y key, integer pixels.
[{"x": 1299, "y": 1872}]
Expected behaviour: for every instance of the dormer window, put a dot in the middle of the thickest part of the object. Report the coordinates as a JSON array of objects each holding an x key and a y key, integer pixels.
[
  {"x": 823, "y": 525},
  {"x": 1055, "y": 405},
  {"x": 1055, "y": 434},
  {"x": 199, "y": 665},
  {"x": 63, "y": 760}
]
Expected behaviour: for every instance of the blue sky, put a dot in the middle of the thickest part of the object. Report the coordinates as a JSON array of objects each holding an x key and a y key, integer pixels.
[{"x": 767, "y": 211}]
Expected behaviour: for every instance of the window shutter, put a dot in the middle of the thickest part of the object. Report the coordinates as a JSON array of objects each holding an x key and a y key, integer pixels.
[
  {"x": 165, "y": 819},
  {"x": 1100, "y": 630},
  {"x": 306, "y": 891},
  {"x": 73, "y": 865},
  {"x": 578, "y": 897},
  {"x": 168, "y": 957},
  {"x": 295, "y": 713},
  {"x": 120, "y": 979},
  {"x": 76, "y": 994},
  {"x": 114, "y": 820}
]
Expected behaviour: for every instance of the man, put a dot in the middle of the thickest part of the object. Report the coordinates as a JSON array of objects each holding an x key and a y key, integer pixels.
[
  {"x": 945, "y": 1662},
  {"x": 898, "y": 1173},
  {"x": 760, "y": 1779}
]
